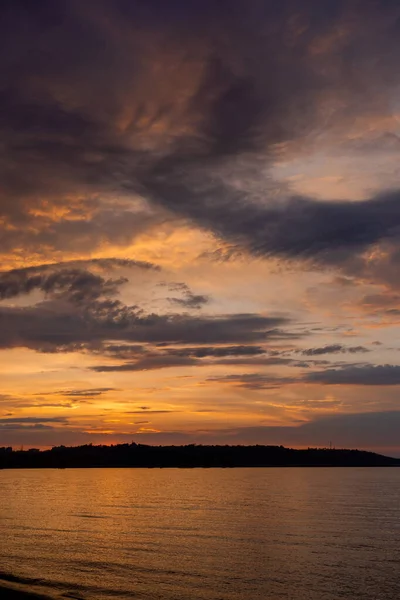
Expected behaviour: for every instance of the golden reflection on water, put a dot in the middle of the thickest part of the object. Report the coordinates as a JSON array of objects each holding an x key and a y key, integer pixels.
[{"x": 234, "y": 534}]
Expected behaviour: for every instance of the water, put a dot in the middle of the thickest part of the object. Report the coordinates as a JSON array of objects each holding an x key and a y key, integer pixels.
[{"x": 204, "y": 534}]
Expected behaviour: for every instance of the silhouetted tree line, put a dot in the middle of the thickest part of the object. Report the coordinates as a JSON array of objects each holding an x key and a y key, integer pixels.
[{"x": 192, "y": 455}]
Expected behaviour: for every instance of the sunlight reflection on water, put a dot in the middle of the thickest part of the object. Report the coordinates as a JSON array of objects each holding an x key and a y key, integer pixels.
[{"x": 232, "y": 534}]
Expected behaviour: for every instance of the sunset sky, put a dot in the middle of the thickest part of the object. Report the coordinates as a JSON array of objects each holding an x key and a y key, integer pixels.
[{"x": 200, "y": 222}]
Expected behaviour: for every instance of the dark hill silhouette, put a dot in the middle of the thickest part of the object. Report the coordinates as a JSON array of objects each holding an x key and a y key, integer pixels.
[{"x": 139, "y": 455}]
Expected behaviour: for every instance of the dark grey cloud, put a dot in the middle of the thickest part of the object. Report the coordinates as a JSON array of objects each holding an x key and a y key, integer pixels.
[
  {"x": 21, "y": 427},
  {"x": 80, "y": 313},
  {"x": 223, "y": 329},
  {"x": 73, "y": 280},
  {"x": 361, "y": 375},
  {"x": 190, "y": 301},
  {"x": 297, "y": 228},
  {"x": 268, "y": 361},
  {"x": 243, "y": 116},
  {"x": 147, "y": 410},
  {"x": 85, "y": 393},
  {"x": 229, "y": 356},
  {"x": 334, "y": 349},
  {"x": 77, "y": 285},
  {"x": 357, "y": 375},
  {"x": 371, "y": 430},
  {"x": 380, "y": 268},
  {"x": 61, "y": 325},
  {"x": 148, "y": 364},
  {"x": 135, "y": 351},
  {"x": 217, "y": 351},
  {"x": 197, "y": 356},
  {"x": 119, "y": 351},
  {"x": 186, "y": 107},
  {"x": 29, "y": 420},
  {"x": 254, "y": 381},
  {"x": 188, "y": 298}
]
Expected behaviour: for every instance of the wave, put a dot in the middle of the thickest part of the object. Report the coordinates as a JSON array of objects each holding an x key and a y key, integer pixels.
[
  {"x": 18, "y": 591},
  {"x": 26, "y": 588},
  {"x": 18, "y": 587}
]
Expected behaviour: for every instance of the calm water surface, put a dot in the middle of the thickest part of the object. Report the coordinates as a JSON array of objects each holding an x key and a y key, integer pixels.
[{"x": 204, "y": 534}]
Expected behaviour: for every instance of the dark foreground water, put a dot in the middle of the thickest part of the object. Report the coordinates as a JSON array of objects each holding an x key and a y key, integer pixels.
[{"x": 212, "y": 534}]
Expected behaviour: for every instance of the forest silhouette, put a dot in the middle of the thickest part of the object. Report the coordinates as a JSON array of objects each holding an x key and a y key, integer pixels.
[{"x": 189, "y": 456}]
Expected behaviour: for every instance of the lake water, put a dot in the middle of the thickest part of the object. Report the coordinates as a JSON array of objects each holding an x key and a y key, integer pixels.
[{"x": 204, "y": 534}]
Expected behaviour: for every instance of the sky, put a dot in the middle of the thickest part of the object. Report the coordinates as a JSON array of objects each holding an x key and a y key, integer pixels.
[{"x": 200, "y": 222}]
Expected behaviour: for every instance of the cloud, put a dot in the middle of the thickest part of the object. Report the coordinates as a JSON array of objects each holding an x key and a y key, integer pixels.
[
  {"x": 295, "y": 228},
  {"x": 357, "y": 375},
  {"x": 194, "y": 356},
  {"x": 334, "y": 349},
  {"x": 62, "y": 324},
  {"x": 373, "y": 430},
  {"x": 73, "y": 280},
  {"x": 130, "y": 351},
  {"x": 77, "y": 285},
  {"x": 80, "y": 313},
  {"x": 85, "y": 393},
  {"x": 148, "y": 364},
  {"x": 14, "y": 423},
  {"x": 119, "y": 351},
  {"x": 360, "y": 375},
  {"x": 217, "y": 351},
  {"x": 154, "y": 358},
  {"x": 30, "y": 420},
  {"x": 254, "y": 381},
  {"x": 189, "y": 299},
  {"x": 106, "y": 224},
  {"x": 146, "y": 410},
  {"x": 184, "y": 114},
  {"x": 378, "y": 266},
  {"x": 20, "y": 427}
]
